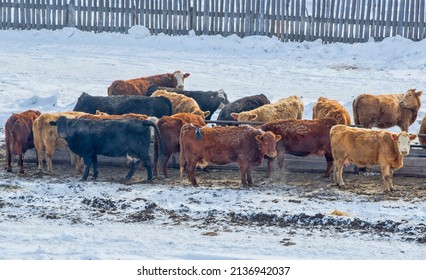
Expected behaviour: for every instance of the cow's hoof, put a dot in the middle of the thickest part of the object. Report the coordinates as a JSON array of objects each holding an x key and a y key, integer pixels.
[{"x": 83, "y": 179}]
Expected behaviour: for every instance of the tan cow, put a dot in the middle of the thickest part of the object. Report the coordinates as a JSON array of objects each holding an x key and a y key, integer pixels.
[
  {"x": 326, "y": 108},
  {"x": 387, "y": 110},
  {"x": 367, "y": 147},
  {"x": 285, "y": 108},
  {"x": 182, "y": 103},
  {"x": 422, "y": 130},
  {"x": 46, "y": 138}
]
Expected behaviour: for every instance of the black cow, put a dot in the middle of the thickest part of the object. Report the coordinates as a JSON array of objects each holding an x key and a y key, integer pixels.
[
  {"x": 129, "y": 138},
  {"x": 118, "y": 105},
  {"x": 241, "y": 105},
  {"x": 206, "y": 100}
]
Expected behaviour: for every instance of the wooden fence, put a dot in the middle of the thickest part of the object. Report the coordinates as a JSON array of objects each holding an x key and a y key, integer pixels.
[{"x": 348, "y": 21}]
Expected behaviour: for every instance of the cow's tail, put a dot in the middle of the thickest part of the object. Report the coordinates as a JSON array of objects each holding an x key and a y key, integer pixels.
[
  {"x": 158, "y": 135},
  {"x": 181, "y": 152},
  {"x": 355, "y": 110},
  {"x": 37, "y": 133},
  {"x": 9, "y": 139}
]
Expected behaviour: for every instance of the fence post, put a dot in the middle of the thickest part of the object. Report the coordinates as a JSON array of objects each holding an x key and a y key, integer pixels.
[{"x": 70, "y": 20}]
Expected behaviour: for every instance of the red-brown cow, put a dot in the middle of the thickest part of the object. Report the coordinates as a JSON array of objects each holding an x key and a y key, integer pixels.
[
  {"x": 301, "y": 138},
  {"x": 19, "y": 136},
  {"x": 169, "y": 127},
  {"x": 221, "y": 145},
  {"x": 139, "y": 86}
]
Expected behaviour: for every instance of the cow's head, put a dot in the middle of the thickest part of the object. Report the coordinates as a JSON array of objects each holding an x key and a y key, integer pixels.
[
  {"x": 267, "y": 143},
  {"x": 244, "y": 116},
  {"x": 62, "y": 125},
  {"x": 222, "y": 97},
  {"x": 411, "y": 100},
  {"x": 403, "y": 140},
  {"x": 178, "y": 79},
  {"x": 204, "y": 114}
]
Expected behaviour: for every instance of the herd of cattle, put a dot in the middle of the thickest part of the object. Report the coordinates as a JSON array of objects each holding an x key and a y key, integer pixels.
[{"x": 120, "y": 124}]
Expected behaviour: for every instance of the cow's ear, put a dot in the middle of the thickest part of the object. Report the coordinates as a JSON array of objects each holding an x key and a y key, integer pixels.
[
  {"x": 186, "y": 75},
  {"x": 253, "y": 117},
  {"x": 413, "y": 136},
  {"x": 234, "y": 116},
  {"x": 52, "y": 123},
  {"x": 277, "y": 138},
  {"x": 419, "y": 93},
  {"x": 206, "y": 114},
  {"x": 394, "y": 137},
  {"x": 258, "y": 138}
]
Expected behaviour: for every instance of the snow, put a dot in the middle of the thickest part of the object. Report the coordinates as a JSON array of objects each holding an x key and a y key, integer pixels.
[{"x": 48, "y": 70}]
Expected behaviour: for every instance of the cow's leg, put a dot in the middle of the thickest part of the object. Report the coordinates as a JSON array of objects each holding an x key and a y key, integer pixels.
[
  {"x": 190, "y": 170},
  {"x": 146, "y": 160},
  {"x": 338, "y": 171},
  {"x": 280, "y": 160},
  {"x": 78, "y": 162},
  {"x": 9, "y": 160},
  {"x": 243, "y": 174},
  {"x": 329, "y": 159},
  {"x": 50, "y": 151},
  {"x": 249, "y": 178},
  {"x": 164, "y": 160},
  {"x": 87, "y": 163},
  {"x": 387, "y": 178},
  {"x": 39, "y": 153},
  {"x": 270, "y": 166},
  {"x": 95, "y": 166},
  {"x": 21, "y": 163},
  {"x": 156, "y": 152}
]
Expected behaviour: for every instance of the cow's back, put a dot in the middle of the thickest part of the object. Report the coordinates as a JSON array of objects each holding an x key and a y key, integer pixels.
[
  {"x": 376, "y": 110},
  {"x": 302, "y": 137},
  {"x": 362, "y": 146},
  {"x": 243, "y": 104},
  {"x": 151, "y": 106},
  {"x": 221, "y": 145},
  {"x": 325, "y": 108},
  {"x": 19, "y": 133}
]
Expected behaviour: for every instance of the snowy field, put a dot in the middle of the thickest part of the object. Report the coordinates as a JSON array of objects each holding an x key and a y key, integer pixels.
[{"x": 54, "y": 219}]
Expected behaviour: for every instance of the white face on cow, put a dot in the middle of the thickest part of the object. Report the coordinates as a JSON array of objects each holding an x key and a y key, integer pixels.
[
  {"x": 404, "y": 143},
  {"x": 180, "y": 78}
]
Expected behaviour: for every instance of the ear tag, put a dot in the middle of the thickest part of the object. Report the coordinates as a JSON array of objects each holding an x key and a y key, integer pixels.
[{"x": 198, "y": 133}]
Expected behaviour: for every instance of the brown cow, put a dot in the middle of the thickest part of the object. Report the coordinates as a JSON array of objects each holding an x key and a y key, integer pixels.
[
  {"x": 301, "y": 138},
  {"x": 47, "y": 141},
  {"x": 182, "y": 103},
  {"x": 139, "y": 86},
  {"x": 19, "y": 136},
  {"x": 169, "y": 127},
  {"x": 221, "y": 145},
  {"x": 326, "y": 108},
  {"x": 422, "y": 130},
  {"x": 285, "y": 108},
  {"x": 387, "y": 110},
  {"x": 367, "y": 147}
]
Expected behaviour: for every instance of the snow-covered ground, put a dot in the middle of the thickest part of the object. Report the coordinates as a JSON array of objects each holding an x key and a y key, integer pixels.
[{"x": 54, "y": 219}]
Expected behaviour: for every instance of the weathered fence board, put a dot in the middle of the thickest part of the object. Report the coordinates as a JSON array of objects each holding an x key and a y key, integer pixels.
[{"x": 349, "y": 21}]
